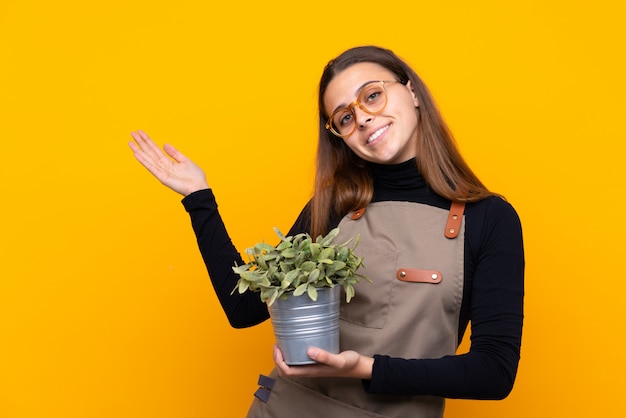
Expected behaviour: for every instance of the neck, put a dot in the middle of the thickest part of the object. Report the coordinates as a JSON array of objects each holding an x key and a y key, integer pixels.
[{"x": 403, "y": 179}]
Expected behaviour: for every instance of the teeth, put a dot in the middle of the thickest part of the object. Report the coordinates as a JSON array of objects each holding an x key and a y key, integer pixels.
[{"x": 377, "y": 134}]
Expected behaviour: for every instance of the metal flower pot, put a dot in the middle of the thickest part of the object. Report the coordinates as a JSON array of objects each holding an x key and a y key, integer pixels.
[{"x": 300, "y": 323}]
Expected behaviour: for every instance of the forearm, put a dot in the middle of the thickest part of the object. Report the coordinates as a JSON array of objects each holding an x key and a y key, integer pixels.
[
  {"x": 220, "y": 255},
  {"x": 474, "y": 375}
]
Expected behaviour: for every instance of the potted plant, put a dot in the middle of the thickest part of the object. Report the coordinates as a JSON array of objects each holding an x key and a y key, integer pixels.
[{"x": 300, "y": 279}]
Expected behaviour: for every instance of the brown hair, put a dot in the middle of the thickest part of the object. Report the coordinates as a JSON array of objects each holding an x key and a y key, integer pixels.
[{"x": 343, "y": 182}]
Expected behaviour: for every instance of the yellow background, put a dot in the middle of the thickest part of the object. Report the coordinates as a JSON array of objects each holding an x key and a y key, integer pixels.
[{"x": 105, "y": 306}]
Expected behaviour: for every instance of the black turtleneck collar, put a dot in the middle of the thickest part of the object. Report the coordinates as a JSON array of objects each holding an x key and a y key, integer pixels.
[{"x": 398, "y": 181}]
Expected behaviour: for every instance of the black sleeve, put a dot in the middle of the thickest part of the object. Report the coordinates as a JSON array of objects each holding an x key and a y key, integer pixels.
[
  {"x": 488, "y": 370},
  {"x": 220, "y": 255}
]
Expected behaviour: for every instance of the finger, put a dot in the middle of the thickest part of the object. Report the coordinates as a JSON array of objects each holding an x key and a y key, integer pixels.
[
  {"x": 147, "y": 145},
  {"x": 133, "y": 146},
  {"x": 174, "y": 153},
  {"x": 144, "y": 137},
  {"x": 141, "y": 140},
  {"x": 147, "y": 162},
  {"x": 320, "y": 356},
  {"x": 149, "y": 155},
  {"x": 139, "y": 146},
  {"x": 281, "y": 366}
]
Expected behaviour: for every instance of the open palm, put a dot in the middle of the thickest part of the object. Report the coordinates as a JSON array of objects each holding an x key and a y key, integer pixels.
[{"x": 169, "y": 165}]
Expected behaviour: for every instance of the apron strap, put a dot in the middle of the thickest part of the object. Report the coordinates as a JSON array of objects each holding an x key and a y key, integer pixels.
[
  {"x": 455, "y": 216},
  {"x": 266, "y": 384}
]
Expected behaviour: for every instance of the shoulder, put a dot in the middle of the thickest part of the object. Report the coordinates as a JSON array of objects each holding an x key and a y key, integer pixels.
[
  {"x": 492, "y": 210},
  {"x": 492, "y": 222}
]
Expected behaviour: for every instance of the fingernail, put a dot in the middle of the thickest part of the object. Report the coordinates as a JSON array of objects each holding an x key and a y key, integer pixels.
[{"x": 313, "y": 352}]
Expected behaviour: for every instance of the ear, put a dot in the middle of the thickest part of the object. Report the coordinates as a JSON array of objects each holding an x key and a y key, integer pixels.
[{"x": 410, "y": 88}]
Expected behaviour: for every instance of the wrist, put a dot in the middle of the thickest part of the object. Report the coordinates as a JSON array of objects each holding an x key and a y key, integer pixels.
[
  {"x": 194, "y": 189},
  {"x": 364, "y": 368}
]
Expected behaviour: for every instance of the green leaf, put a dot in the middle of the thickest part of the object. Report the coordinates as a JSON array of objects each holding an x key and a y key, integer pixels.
[
  {"x": 252, "y": 276},
  {"x": 334, "y": 267},
  {"x": 273, "y": 297},
  {"x": 289, "y": 253},
  {"x": 304, "y": 244},
  {"x": 315, "y": 251},
  {"x": 328, "y": 239},
  {"x": 263, "y": 284},
  {"x": 349, "y": 292},
  {"x": 300, "y": 258},
  {"x": 308, "y": 266},
  {"x": 243, "y": 286},
  {"x": 327, "y": 253},
  {"x": 342, "y": 254},
  {"x": 291, "y": 276},
  {"x": 261, "y": 260},
  {"x": 283, "y": 245},
  {"x": 312, "y": 291},
  {"x": 269, "y": 295},
  {"x": 270, "y": 257},
  {"x": 241, "y": 269},
  {"x": 280, "y": 234},
  {"x": 314, "y": 275},
  {"x": 284, "y": 266},
  {"x": 300, "y": 289},
  {"x": 301, "y": 277},
  {"x": 262, "y": 246}
]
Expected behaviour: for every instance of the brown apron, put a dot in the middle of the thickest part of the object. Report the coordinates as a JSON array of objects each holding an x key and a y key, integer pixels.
[{"x": 410, "y": 310}]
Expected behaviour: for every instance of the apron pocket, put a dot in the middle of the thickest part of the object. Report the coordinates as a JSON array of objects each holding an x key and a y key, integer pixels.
[{"x": 370, "y": 306}]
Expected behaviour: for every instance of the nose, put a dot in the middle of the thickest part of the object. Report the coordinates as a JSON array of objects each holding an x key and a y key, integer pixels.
[{"x": 362, "y": 118}]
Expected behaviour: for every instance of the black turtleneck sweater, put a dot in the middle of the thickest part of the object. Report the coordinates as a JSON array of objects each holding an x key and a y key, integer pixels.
[{"x": 492, "y": 296}]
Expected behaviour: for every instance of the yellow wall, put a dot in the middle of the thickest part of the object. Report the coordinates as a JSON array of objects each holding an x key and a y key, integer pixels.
[{"x": 105, "y": 306}]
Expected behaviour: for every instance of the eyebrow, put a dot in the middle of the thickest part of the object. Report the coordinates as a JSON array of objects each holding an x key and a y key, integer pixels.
[{"x": 358, "y": 91}]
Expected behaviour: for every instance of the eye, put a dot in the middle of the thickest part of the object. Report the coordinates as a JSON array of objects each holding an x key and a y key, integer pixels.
[
  {"x": 372, "y": 95},
  {"x": 343, "y": 119}
]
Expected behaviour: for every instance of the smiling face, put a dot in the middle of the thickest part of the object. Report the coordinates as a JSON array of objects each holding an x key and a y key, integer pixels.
[{"x": 387, "y": 137}]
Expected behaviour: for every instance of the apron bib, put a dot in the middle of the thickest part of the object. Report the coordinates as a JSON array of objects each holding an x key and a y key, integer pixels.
[{"x": 410, "y": 310}]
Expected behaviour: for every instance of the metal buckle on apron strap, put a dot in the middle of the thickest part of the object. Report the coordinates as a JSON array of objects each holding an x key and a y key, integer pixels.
[{"x": 264, "y": 391}]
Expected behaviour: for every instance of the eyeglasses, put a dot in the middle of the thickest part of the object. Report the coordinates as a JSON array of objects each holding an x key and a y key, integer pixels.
[{"x": 372, "y": 99}]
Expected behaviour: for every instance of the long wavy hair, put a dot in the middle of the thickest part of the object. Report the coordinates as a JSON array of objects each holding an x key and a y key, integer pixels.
[{"x": 343, "y": 182}]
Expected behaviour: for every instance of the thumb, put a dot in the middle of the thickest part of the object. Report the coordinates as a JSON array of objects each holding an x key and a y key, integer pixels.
[
  {"x": 318, "y": 354},
  {"x": 174, "y": 153}
]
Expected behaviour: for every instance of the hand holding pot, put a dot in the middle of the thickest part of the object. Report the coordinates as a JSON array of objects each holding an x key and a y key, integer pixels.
[{"x": 345, "y": 364}]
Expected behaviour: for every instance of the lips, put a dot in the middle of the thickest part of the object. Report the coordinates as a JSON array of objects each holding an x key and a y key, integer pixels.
[{"x": 376, "y": 134}]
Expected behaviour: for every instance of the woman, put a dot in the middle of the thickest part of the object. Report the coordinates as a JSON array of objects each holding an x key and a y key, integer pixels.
[{"x": 442, "y": 251}]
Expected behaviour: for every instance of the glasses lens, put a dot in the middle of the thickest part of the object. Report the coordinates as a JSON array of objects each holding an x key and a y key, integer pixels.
[
  {"x": 343, "y": 121},
  {"x": 373, "y": 99}
]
